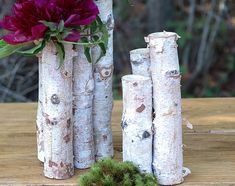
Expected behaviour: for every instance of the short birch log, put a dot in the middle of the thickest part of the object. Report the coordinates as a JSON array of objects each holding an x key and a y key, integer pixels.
[
  {"x": 57, "y": 107},
  {"x": 140, "y": 62},
  {"x": 168, "y": 155},
  {"x": 137, "y": 121},
  {"x": 103, "y": 96},
  {"x": 83, "y": 90},
  {"x": 40, "y": 118}
]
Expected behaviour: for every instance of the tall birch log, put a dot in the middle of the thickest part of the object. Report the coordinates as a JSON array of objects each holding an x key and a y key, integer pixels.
[
  {"x": 168, "y": 155},
  {"x": 83, "y": 90},
  {"x": 137, "y": 121},
  {"x": 57, "y": 107},
  {"x": 40, "y": 118},
  {"x": 140, "y": 62},
  {"x": 103, "y": 96}
]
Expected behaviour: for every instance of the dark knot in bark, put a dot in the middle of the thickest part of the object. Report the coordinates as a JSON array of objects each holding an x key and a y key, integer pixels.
[
  {"x": 55, "y": 99},
  {"x": 146, "y": 134}
]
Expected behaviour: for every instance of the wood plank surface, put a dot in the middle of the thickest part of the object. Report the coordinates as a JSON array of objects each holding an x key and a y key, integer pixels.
[{"x": 209, "y": 149}]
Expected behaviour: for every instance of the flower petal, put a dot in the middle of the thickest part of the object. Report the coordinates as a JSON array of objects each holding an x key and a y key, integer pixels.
[
  {"x": 73, "y": 37},
  {"x": 38, "y": 31},
  {"x": 15, "y": 38}
]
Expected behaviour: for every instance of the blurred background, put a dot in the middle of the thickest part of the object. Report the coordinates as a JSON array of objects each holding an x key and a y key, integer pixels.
[{"x": 206, "y": 47}]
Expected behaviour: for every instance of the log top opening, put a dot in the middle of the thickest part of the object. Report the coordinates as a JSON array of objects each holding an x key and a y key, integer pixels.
[
  {"x": 135, "y": 78},
  {"x": 140, "y": 51},
  {"x": 163, "y": 34}
]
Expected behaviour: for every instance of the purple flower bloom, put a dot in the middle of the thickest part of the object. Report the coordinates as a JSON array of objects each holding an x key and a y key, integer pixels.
[{"x": 25, "y": 22}]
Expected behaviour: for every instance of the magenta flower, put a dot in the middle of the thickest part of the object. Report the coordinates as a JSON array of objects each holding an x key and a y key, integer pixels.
[{"x": 25, "y": 23}]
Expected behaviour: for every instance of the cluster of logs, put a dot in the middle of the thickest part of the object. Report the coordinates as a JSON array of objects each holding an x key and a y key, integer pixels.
[
  {"x": 75, "y": 105},
  {"x": 153, "y": 140}
]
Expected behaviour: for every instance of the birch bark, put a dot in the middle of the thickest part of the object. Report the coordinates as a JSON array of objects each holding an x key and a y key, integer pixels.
[
  {"x": 140, "y": 62},
  {"x": 137, "y": 121},
  {"x": 83, "y": 90},
  {"x": 57, "y": 108},
  {"x": 40, "y": 119},
  {"x": 103, "y": 96},
  {"x": 168, "y": 156}
]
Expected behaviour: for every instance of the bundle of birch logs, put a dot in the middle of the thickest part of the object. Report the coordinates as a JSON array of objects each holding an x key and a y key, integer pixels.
[
  {"x": 154, "y": 141},
  {"x": 75, "y": 106}
]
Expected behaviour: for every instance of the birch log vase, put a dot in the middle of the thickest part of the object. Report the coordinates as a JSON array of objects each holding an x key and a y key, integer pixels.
[
  {"x": 83, "y": 90},
  {"x": 140, "y": 62},
  {"x": 168, "y": 155},
  {"x": 57, "y": 107},
  {"x": 103, "y": 96},
  {"x": 137, "y": 121},
  {"x": 40, "y": 118}
]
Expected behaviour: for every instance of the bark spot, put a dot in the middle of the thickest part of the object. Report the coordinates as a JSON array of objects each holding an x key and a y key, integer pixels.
[
  {"x": 55, "y": 99},
  {"x": 135, "y": 84},
  {"x": 52, "y": 164},
  {"x": 106, "y": 72},
  {"x": 67, "y": 138},
  {"x": 105, "y": 137},
  {"x": 124, "y": 125},
  {"x": 141, "y": 108},
  {"x": 74, "y": 110},
  {"x": 173, "y": 74},
  {"x": 66, "y": 73},
  {"x": 69, "y": 123},
  {"x": 48, "y": 121},
  {"x": 146, "y": 134},
  {"x": 37, "y": 129},
  {"x": 110, "y": 23},
  {"x": 54, "y": 122},
  {"x": 41, "y": 145}
]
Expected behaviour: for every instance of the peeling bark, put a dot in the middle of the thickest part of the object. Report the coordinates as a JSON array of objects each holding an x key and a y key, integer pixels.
[
  {"x": 168, "y": 155},
  {"x": 140, "y": 62},
  {"x": 103, "y": 96},
  {"x": 137, "y": 121},
  {"x": 83, "y": 90},
  {"x": 57, "y": 112},
  {"x": 40, "y": 119}
]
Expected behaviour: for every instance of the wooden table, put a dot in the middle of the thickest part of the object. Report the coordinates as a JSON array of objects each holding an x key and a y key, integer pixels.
[{"x": 209, "y": 148}]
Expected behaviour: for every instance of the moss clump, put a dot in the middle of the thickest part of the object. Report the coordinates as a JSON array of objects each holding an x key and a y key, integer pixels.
[{"x": 108, "y": 172}]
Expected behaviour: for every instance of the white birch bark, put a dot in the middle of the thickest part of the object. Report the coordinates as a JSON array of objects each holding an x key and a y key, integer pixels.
[
  {"x": 140, "y": 62},
  {"x": 168, "y": 155},
  {"x": 40, "y": 119},
  {"x": 137, "y": 121},
  {"x": 103, "y": 96},
  {"x": 57, "y": 107},
  {"x": 83, "y": 90}
]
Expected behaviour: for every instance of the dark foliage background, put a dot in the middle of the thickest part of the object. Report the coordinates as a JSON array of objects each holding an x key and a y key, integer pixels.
[{"x": 206, "y": 49}]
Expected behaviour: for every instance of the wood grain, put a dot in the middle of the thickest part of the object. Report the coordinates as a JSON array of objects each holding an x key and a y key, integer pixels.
[{"x": 209, "y": 148}]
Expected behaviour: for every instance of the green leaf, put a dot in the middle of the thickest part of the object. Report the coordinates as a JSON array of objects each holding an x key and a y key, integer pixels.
[
  {"x": 95, "y": 38},
  {"x": 2, "y": 43},
  {"x": 99, "y": 21},
  {"x": 61, "y": 53},
  {"x": 77, "y": 43},
  {"x": 7, "y": 50},
  {"x": 87, "y": 52},
  {"x": 51, "y": 25},
  {"x": 102, "y": 51},
  {"x": 61, "y": 26},
  {"x": 35, "y": 50}
]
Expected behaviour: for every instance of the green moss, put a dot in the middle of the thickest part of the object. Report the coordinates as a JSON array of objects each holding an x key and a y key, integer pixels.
[{"x": 108, "y": 172}]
